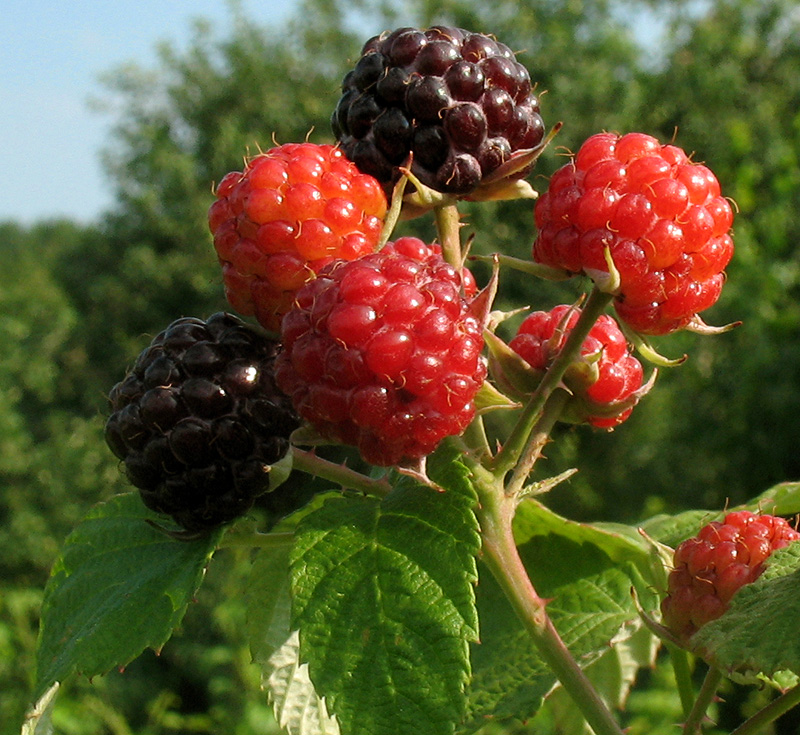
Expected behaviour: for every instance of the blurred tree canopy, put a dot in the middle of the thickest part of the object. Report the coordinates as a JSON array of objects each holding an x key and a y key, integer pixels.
[{"x": 80, "y": 302}]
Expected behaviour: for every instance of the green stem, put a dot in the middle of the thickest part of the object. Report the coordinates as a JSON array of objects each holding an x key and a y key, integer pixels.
[
  {"x": 683, "y": 677},
  {"x": 495, "y": 513},
  {"x": 540, "y": 435},
  {"x": 770, "y": 713},
  {"x": 448, "y": 227},
  {"x": 514, "y": 447},
  {"x": 339, "y": 474},
  {"x": 694, "y": 722}
]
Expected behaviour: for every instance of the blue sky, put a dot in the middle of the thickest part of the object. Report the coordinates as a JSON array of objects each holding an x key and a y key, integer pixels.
[{"x": 52, "y": 55}]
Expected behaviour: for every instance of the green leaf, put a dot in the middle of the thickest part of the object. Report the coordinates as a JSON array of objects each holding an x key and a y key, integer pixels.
[
  {"x": 384, "y": 602},
  {"x": 758, "y": 633},
  {"x": 268, "y": 603},
  {"x": 298, "y": 708},
  {"x": 118, "y": 587},
  {"x": 620, "y": 542},
  {"x": 590, "y": 605}
]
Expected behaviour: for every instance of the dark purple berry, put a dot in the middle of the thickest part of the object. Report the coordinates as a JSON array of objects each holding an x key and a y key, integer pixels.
[
  {"x": 198, "y": 421},
  {"x": 467, "y": 86}
]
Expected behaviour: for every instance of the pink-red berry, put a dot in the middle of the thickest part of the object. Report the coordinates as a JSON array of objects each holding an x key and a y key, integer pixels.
[
  {"x": 659, "y": 215},
  {"x": 382, "y": 353},
  {"x": 602, "y": 394},
  {"x": 711, "y": 567},
  {"x": 290, "y": 211}
]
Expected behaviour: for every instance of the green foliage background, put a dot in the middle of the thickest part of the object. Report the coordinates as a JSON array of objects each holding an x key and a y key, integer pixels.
[{"x": 77, "y": 303}]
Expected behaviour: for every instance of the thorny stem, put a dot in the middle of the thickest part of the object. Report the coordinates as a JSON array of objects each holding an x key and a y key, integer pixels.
[
  {"x": 539, "y": 436},
  {"x": 517, "y": 442},
  {"x": 497, "y": 507},
  {"x": 770, "y": 713},
  {"x": 314, "y": 465},
  {"x": 500, "y": 553},
  {"x": 694, "y": 722}
]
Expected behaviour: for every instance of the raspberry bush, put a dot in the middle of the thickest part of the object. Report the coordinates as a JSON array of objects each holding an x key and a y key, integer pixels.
[{"x": 427, "y": 586}]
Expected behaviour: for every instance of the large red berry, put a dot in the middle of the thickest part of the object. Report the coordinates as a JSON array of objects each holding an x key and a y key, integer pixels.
[
  {"x": 383, "y": 354},
  {"x": 660, "y": 216},
  {"x": 605, "y": 382},
  {"x": 198, "y": 420},
  {"x": 458, "y": 101},
  {"x": 291, "y": 211},
  {"x": 711, "y": 567}
]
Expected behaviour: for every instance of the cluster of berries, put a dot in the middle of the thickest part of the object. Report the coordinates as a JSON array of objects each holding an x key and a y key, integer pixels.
[{"x": 380, "y": 347}]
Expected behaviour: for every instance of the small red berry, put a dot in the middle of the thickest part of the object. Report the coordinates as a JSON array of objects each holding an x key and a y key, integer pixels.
[
  {"x": 290, "y": 212},
  {"x": 712, "y": 567},
  {"x": 613, "y": 376},
  {"x": 383, "y": 353},
  {"x": 660, "y": 216}
]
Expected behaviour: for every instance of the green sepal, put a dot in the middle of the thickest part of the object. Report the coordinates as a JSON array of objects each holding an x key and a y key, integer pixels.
[{"x": 510, "y": 371}]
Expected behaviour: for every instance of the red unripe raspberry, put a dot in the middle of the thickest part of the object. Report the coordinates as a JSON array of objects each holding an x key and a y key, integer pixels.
[
  {"x": 291, "y": 211},
  {"x": 382, "y": 352},
  {"x": 711, "y": 567},
  {"x": 660, "y": 216},
  {"x": 611, "y": 375}
]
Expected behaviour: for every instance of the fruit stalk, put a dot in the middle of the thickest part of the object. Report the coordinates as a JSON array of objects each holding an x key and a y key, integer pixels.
[
  {"x": 539, "y": 436},
  {"x": 314, "y": 465},
  {"x": 447, "y": 227},
  {"x": 683, "y": 677},
  {"x": 705, "y": 696}
]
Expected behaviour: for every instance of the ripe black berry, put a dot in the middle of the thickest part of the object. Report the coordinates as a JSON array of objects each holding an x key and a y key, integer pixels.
[
  {"x": 198, "y": 420},
  {"x": 458, "y": 101}
]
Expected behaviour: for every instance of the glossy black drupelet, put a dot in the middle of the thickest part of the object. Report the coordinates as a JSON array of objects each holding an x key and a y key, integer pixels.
[
  {"x": 198, "y": 420},
  {"x": 459, "y": 101}
]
